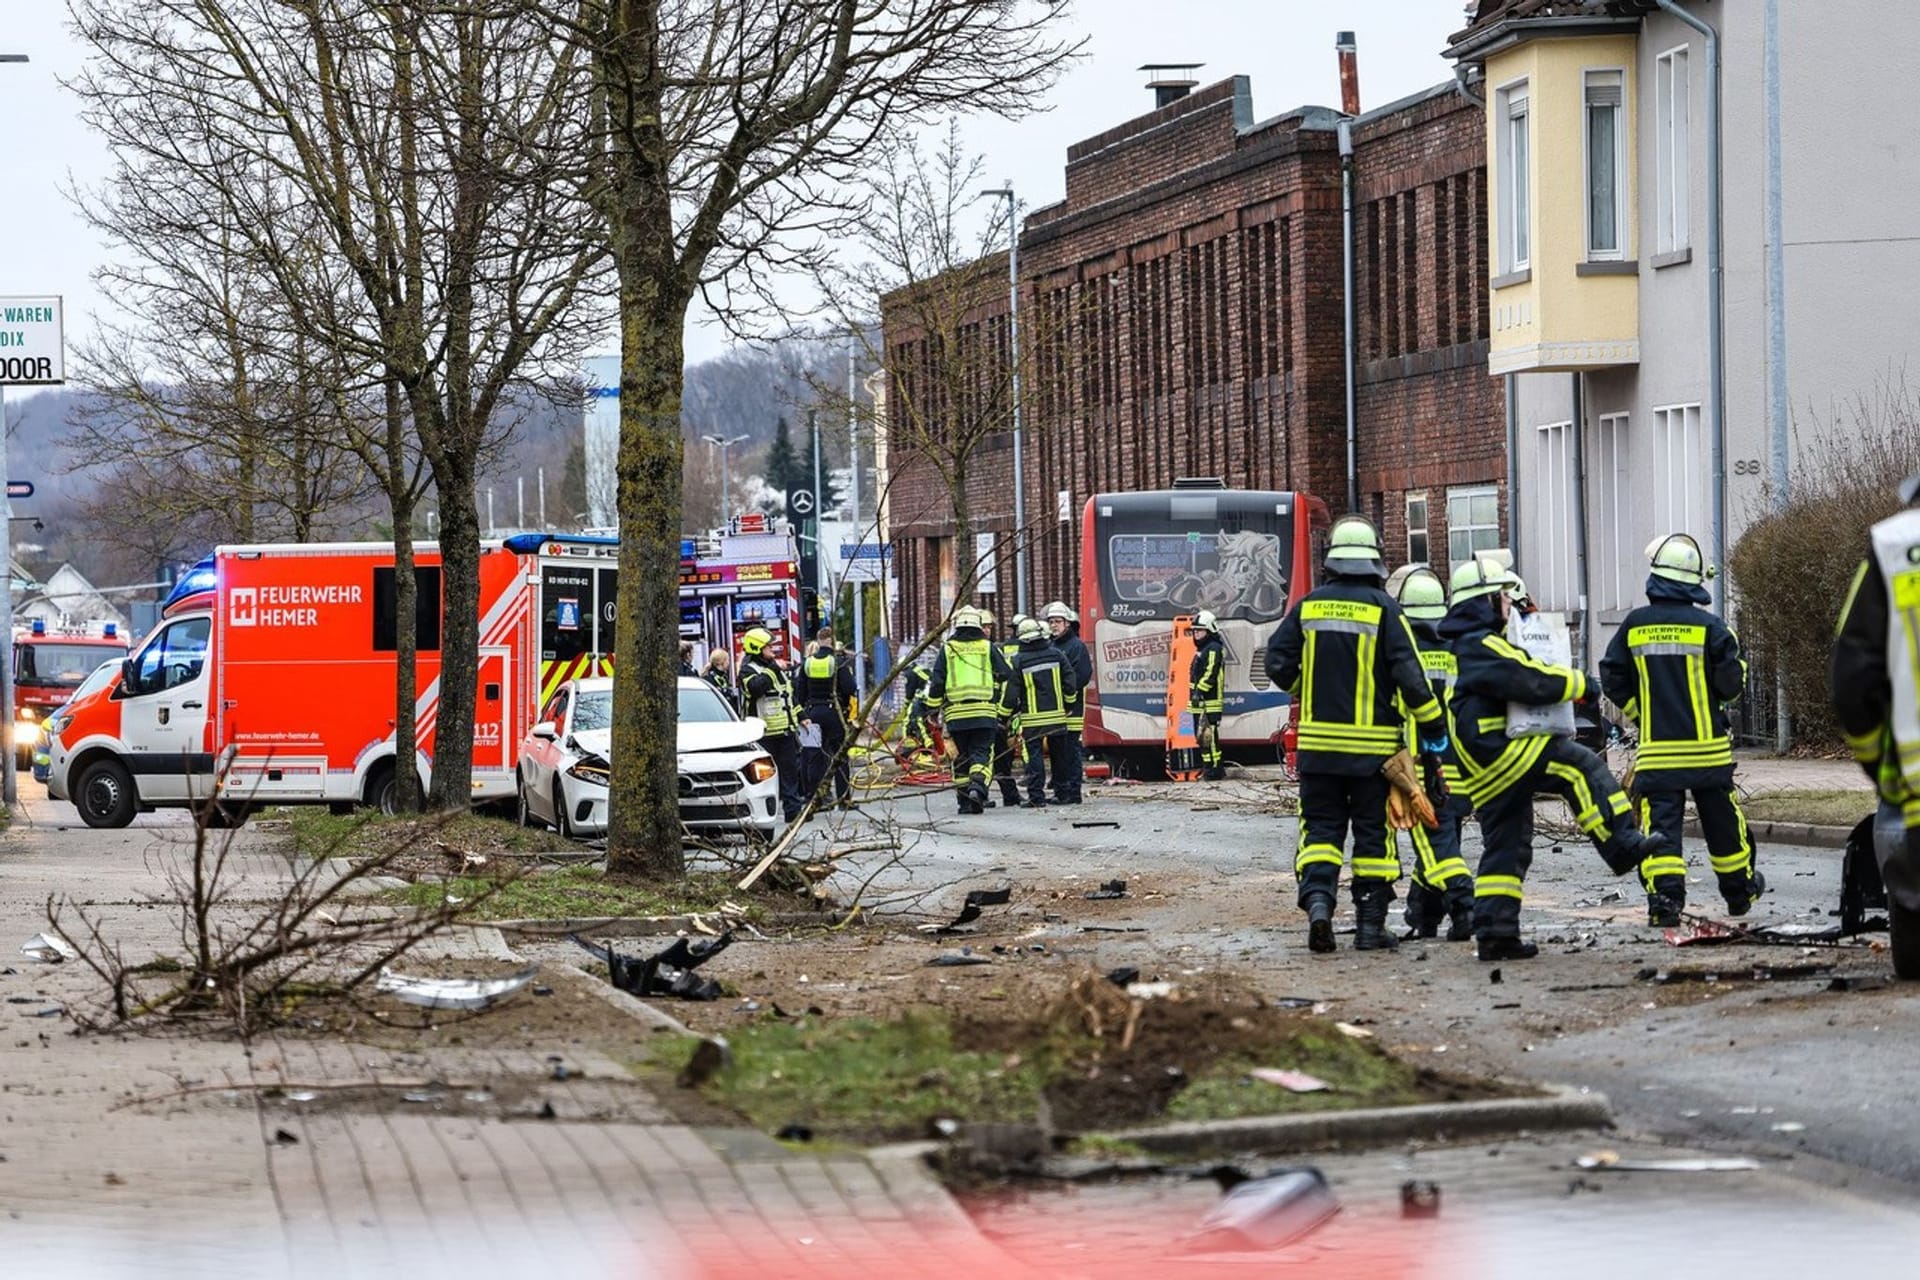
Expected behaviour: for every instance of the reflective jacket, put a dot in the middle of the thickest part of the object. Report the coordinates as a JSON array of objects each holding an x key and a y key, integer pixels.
[
  {"x": 825, "y": 685},
  {"x": 1443, "y": 671},
  {"x": 1876, "y": 663},
  {"x": 1493, "y": 672},
  {"x": 969, "y": 681},
  {"x": 1207, "y": 676},
  {"x": 1008, "y": 649},
  {"x": 1040, "y": 688},
  {"x": 1672, "y": 667},
  {"x": 1080, "y": 662},
  {"x": 767, "y": 693},
  {"x": 1346, "y": 653}
]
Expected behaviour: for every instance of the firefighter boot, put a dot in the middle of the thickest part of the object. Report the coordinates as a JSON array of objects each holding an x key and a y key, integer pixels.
[
  {"x": 1424, "y": 909},
  {"x": 1460, "y": 911},
  {"x": 1370, "y": 916},
  {"x": 1667, "y": 900},
  {"x": 1320, "y": 923},
  {"x": 1507, "y": 949},
  {"x": 1629, "y": 846},
  {"x": 1739, "y": 903}
]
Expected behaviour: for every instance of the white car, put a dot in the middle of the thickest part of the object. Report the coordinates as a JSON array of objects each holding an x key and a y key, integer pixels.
[{"x": 728, "y": 785}]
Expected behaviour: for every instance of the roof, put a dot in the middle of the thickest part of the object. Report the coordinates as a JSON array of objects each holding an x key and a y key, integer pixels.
[{"x": 1494, "y": 20}]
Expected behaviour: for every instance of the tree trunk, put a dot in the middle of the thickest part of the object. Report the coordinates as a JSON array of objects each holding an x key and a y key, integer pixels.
[
  {"x": 406, "y": 654},
  {"x": 452, "y": 786},
  {"x": 965, "y": 560}
]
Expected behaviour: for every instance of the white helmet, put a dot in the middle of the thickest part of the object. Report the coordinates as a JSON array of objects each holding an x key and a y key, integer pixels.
[
  {"x": 966, "y": 616},
  {"x": 1482, "y": 576},
  {"x": 1677, "y": 558},
  {"x": 1058, "y": 609},
  {"x": 1205, "y": 621}
]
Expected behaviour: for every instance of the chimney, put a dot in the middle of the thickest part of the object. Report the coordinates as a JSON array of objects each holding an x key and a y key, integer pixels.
[
  {"x": 1171, "y": 81},
  {"x": 1344, "y": 45}
]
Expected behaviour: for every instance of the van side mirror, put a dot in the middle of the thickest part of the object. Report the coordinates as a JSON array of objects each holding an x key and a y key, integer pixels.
[{"x": 126, "y": 675}]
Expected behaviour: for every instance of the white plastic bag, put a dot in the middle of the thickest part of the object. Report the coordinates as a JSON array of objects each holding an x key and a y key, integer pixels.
[{"x": 1545, "y": 636}]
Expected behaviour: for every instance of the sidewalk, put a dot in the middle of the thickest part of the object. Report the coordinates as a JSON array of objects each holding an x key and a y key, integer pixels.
[{"x": 226, "y": 1183}]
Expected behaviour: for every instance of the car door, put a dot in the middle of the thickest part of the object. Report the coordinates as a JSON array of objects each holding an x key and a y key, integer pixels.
[
  {"x": 542, "y": 759},
  {"x": 163, "y": 716}
]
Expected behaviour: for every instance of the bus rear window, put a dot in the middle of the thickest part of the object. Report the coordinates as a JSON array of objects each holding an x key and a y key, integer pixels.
[{"x": 1176, "y": 560}]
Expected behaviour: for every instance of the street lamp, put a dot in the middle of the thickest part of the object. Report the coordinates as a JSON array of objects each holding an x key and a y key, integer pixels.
[
  {"x": 1013, "y": 347},
  {"x": 9, "y": 785},
  {"x": 725, "y": 446}
]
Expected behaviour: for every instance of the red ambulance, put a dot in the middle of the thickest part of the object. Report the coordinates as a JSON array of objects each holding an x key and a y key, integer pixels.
[{"x": 48, "y": 665}]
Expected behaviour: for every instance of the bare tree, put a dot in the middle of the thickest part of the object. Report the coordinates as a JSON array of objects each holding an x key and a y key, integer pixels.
[
  {"x": 425, "y": 162},
  {"x": 732, "y": 130}
]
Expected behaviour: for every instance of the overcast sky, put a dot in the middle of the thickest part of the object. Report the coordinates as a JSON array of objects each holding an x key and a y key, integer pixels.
[{"x": 1285, "y": 46}]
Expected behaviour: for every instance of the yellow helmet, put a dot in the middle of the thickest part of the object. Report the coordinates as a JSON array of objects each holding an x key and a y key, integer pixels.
[
  {"x": 1677, "y": 558},
  {"x": 755, "y": 642},
  {"x": 1353, "y": 548},
  {"x": 1482, "y": 576},
  {"x": 1421, "y": 596}
]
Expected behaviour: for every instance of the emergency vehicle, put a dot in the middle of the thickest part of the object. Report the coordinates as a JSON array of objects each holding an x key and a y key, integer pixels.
[
  {"x": 746, "y": 575},
  {"x": 271, "y": 677},
  {"x": 48, "y": 665}
]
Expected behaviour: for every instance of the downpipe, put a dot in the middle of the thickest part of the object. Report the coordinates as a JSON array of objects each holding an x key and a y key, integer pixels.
[{"x": 1346, "y": 216}]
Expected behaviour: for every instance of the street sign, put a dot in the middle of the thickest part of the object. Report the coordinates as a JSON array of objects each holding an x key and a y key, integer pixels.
[
  {"x": 33, "y": 349},
  {"x": 19, "y": 488}
]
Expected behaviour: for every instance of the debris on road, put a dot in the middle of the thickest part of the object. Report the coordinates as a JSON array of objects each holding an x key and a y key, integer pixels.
[
  {"x": 1419, "y": 1199},
  {"x": 1126, "y": 975},
  {"x": 958, "y": 959},
  {"x": 1150, "y": 990},
  {"x": 795, "y": 1133},
  {"x": 1610, "y": 1160},
  {"x": 1081, "y": 826},
  {"x": 1353, "y": 1032},
  {"x": 1742, "y": 973},
  {"x": 1291, "y": 1081},
  {"x": 970, "y": 909},
  {"x": 1107, "y": 892},
  {"x": 709, "y": 1058},
  {"x": 668, "y": 972},
  {"x": 452, "y": 993},
  {"x": 48, "y": 948},
  {"x": 1266, "y": 1213}
]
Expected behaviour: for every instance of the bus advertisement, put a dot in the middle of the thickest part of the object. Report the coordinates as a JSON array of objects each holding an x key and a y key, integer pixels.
[{"x": 1149, "y": 558}]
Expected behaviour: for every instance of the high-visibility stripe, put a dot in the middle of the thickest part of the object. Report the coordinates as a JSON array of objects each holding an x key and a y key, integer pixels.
[
  {"x": 1487, "y": 886},
  {"x": 1377, "y": 868},
  {"x": 1586, "y": 814},
  {"x": 1574, "y": 680}
]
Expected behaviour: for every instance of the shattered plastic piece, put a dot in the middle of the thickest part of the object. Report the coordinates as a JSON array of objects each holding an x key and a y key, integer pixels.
[
  {"x": 668, "y": 972},
  {"x": 541, "y": 990},
  {"x": 1700, "y": 1164},
  {"x": 1357, "y": 1033},
  {"x": 1266, "y": 1213},
  {"x": 957, "y": 959},
  {"x": 795, "y": 1133},
  {"x": 302, "y": 1095},
  {"x": 1081, "y": 826},
  {"x": 1419, "y": 1200},
  {"x": 970, "y": 908},
  {"x": 1789, "y": 1126},
  {"x": 284, "y": 1138},
  {"x": 1149, "y": 990},
  {"x": 1108, "y": 891},
  {"x": 1126, "y": 975},
  {"x": 710, "y": 1057},
  {"x": 452, "y": 993},
  {"x": 1291, "y": 1081},
  {"x": 48, "y": 949}
]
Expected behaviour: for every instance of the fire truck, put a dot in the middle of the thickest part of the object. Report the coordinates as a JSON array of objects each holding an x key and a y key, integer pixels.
[
  {"x": 271, "y": 677},
  {"x": 48, "y": 665}
]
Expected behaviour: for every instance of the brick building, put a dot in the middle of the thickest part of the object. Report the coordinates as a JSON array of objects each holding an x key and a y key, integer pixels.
[{"x": 1181, "y": 314}]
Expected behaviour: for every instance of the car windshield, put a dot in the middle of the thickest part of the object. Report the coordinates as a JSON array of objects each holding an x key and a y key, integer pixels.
[
  {"x": 102, "y": 676},
  {"x": 703, "y": 705},
  {"x": 593, "y": 710},
  {"x": 63, "y": 666}
]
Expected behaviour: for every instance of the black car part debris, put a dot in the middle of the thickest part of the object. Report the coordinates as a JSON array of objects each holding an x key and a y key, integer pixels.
[
  {"x": 957, "y": 959},
  {"x": 1266, "y": 1213},
  {"x": 1107, "y": 891},
  {"x": 970, "y": 909},
  {"x": 664, "y": 973}
]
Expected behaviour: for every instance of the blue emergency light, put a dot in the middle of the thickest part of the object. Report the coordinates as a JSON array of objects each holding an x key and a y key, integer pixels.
[
  {"x": 195, "y": 581},
  {"x": 110, "y": 630},
  {"x": 39, "y": 626}
]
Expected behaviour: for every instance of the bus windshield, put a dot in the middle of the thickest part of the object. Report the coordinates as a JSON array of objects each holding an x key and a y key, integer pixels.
[{"x": 1165, "y": 554}]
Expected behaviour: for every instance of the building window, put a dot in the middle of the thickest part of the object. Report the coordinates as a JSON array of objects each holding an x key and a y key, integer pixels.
[
  {"x": 1473, "y": 523},
  {"x": 1417, "y": 548},
  {"x": 1516, "y": 214},
  {"x": 1548, "y": 562},
  {"x": 1606, "y": 166},
  {"x": 1671, "y": 99},
  {"x": 1678, "y": 496},
  {"x": 1612, "y": 513}
]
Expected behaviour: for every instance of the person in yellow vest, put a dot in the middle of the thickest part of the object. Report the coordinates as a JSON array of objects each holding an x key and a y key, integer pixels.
[
  {"x": 824, "y": 689},
  {"x": 1207, "y": 691},
  {"x": 1441, "y": 887},
  {"x": 766, "y": 692},
  {"x": 1346, "y": 653},
  {"x": 1069, "y": 768},
  {"x": 1042, "y": 684},
  {"x": 1007, "y": 737},
  {"x": 966, "y": 689},
  {"x": 1672, "y": 668},
  {"x": 1876, "y": 696}
]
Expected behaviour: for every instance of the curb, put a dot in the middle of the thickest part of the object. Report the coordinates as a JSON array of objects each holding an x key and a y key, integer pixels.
[
  {"x": 1564, "y": 1108},
  {"x": 1800, "y": 833},
  {"x": 650, "y": 926}
]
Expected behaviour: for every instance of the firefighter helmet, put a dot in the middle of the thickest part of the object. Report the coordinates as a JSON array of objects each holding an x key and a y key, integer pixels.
[
  {"x": 1020, "y": 620},
  {"x": 986, "y": 617},
  {"x": 1205, "y": 621},
  {"x": 1482, "y": 576},
  {"x": 1353, "y": 548},
  {"x": 1677, "y": 558},
  {"x": 1031, "y": 629},
  {"x": 966, "y": 616},
  {"x": 1421, "y": 595},
  {"x": 755, "y": 642},
  {"x": 1058, "y": 610}
]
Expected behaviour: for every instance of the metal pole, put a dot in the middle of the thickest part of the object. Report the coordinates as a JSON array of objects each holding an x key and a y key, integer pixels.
[
  {"x": 859, "y": 535},
  {"x": 9, "y": 783},
  {"x": 820, "y": 578},
  {"x": 1345, "y": 134},
  {"x": 726, "y": 480},
  {"x": 520, "y": 501},
  {"x": 1776, "y": 325},
  {"x": 543, "y": 498},
  {"x": 1019, "y": 460}
]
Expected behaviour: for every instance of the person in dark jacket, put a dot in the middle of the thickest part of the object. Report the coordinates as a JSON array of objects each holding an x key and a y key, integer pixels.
[
  {"x": 1069, "y": 768},
  {"x": 1007, "y": 742},
  {"x": 1671, "y": 669},
  {"x": 1042, "y": 683},
  {"x": 1501, "y": 774},
  {"x": 967, "y": 687},
  {"x": 1207, "y": 691},
  {"x": 825, "y": 688},
  {"x": 767, "y": 693},
  {"x": 719, "y": 674},
  {"x": 1347, "y": 656},
  {"x": 1440, "y": 888}
]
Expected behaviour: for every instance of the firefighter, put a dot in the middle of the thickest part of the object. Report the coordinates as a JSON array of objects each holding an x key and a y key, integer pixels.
[
  {"x": 1500, "y": 775},
  {"x": 1042, "y": 684},
  {"x": 1441, "y": 887},
  {"x": 1068, "y": 767},
  {"x": 913, "y": 690},
  {"x": 1007, "y": 738},
  {"x": 1876, "y": 697},
  {"x": 1671, "y": 668},
  {"x": 1345, "y": 652},
  {"x": 825, "y": 688},
  {"x": 768, "y": 694},
  {"x": 966, "y": 689},
  {"x": 1207, "y": 690}
]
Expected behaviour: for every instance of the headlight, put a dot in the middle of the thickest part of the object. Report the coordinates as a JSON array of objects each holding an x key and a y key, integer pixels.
[
  {"x": 58, "y": 725},
  {"x": 593, "y": 769},
  {"x": 760, "y": 768}
]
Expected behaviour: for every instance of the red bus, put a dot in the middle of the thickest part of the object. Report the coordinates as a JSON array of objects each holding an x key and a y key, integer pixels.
[{"x": 1148, "y": 558}]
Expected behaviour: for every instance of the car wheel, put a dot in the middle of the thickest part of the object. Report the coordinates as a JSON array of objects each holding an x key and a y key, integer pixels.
[
  {"x": 523, "y": 810},
  {"x": 383, "y": 791},
  {"x": 105, "y": 796},
  {"x": 560, "y": 820},
  {"x": 1904, "y": 941}
]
